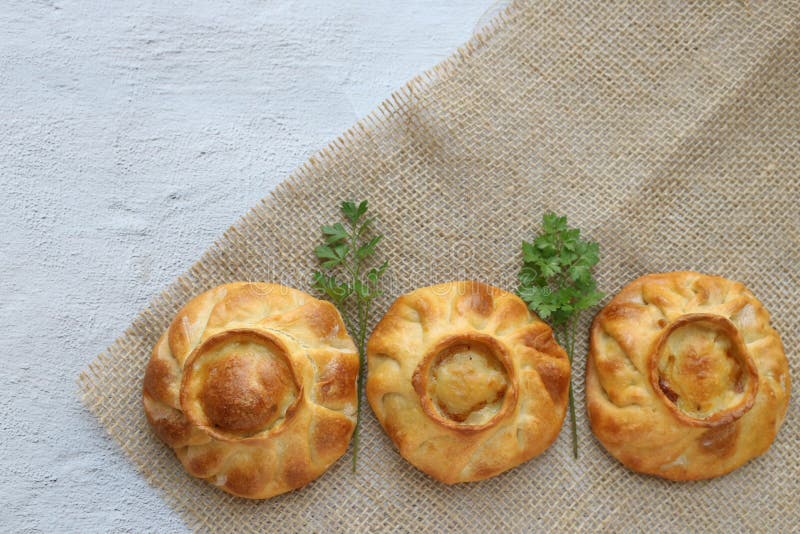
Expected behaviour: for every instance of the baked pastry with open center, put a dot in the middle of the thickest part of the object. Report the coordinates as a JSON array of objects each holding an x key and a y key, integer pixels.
[
  {"x": 685, "y": 378},
  {"x": 466, "y": 380},
  {"x": 254, "y": 387}
]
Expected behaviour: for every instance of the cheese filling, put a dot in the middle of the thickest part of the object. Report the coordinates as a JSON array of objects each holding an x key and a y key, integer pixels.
[
  {"x": 468, "y": 385},
  {"x": 699, "y": 370}
]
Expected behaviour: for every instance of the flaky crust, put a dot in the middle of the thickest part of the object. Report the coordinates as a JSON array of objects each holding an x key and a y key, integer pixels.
[
  {"x": 466, "y": 381},
  {"x": 685, "y": 378},
  {"x": 254, "y": 387}
]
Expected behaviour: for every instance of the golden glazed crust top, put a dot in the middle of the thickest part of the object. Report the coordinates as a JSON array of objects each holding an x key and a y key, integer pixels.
[
  {"x": 466, "y": 381},
  {"x": 685, "y": 378},
  {"x": 254, "y": 387}
]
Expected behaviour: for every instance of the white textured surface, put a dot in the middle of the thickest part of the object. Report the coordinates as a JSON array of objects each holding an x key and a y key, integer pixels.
[{"x": 134, "y": 133}]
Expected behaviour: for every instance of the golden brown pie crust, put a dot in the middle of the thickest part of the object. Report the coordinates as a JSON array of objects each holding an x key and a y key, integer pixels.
[
  {"x": 686, "y": 378},
  {"x": 466, "y": 381},
  {"x": 254, "y": 387}
]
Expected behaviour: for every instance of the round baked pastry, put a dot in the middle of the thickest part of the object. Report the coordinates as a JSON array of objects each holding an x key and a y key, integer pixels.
[
  {"x": 685, "y": 378},
  {"x": 254, "y": 387},
  {"x": 466, "y": 380}
]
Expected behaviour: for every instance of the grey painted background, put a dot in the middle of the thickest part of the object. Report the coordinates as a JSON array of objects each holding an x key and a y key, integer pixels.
[{"x": 133, "y": 134}]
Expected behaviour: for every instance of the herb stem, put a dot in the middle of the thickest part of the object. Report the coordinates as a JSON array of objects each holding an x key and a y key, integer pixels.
[
  {"x": 362, "y": 372},
  {"x": 556, "y": 282},
  {"x": 565, "y": 336},
  {"x": 573, "y": 422},
  {"x": 345, "y": 250}
]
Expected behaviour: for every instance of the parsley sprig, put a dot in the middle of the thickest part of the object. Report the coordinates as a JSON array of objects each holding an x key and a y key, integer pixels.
[
  {"x": 347, "y": 283},
  {"x": 556, "y": 282}
]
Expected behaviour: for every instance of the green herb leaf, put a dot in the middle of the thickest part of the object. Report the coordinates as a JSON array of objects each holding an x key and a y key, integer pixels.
[
  {"x": 324, "y": 252},
  {"x": 334, "y": 234},
  {"x": 556, "y": 282},
  {"x": 346, "y": 248},
  {"x": 365, "y": 250}
]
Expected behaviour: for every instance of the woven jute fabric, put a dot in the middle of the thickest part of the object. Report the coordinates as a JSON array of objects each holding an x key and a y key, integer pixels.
[{"x": 669, "y": 132}]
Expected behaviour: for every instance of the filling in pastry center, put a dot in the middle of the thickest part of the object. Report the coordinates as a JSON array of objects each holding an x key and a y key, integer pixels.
[
  {"x": 468, "y": 384},
  {"x": 700, "y": 369},
  {"x": 241, "y": 385}
]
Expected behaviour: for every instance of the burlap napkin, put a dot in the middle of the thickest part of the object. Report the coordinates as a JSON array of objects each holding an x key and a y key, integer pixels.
[{"x": 667, "y": 131}]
